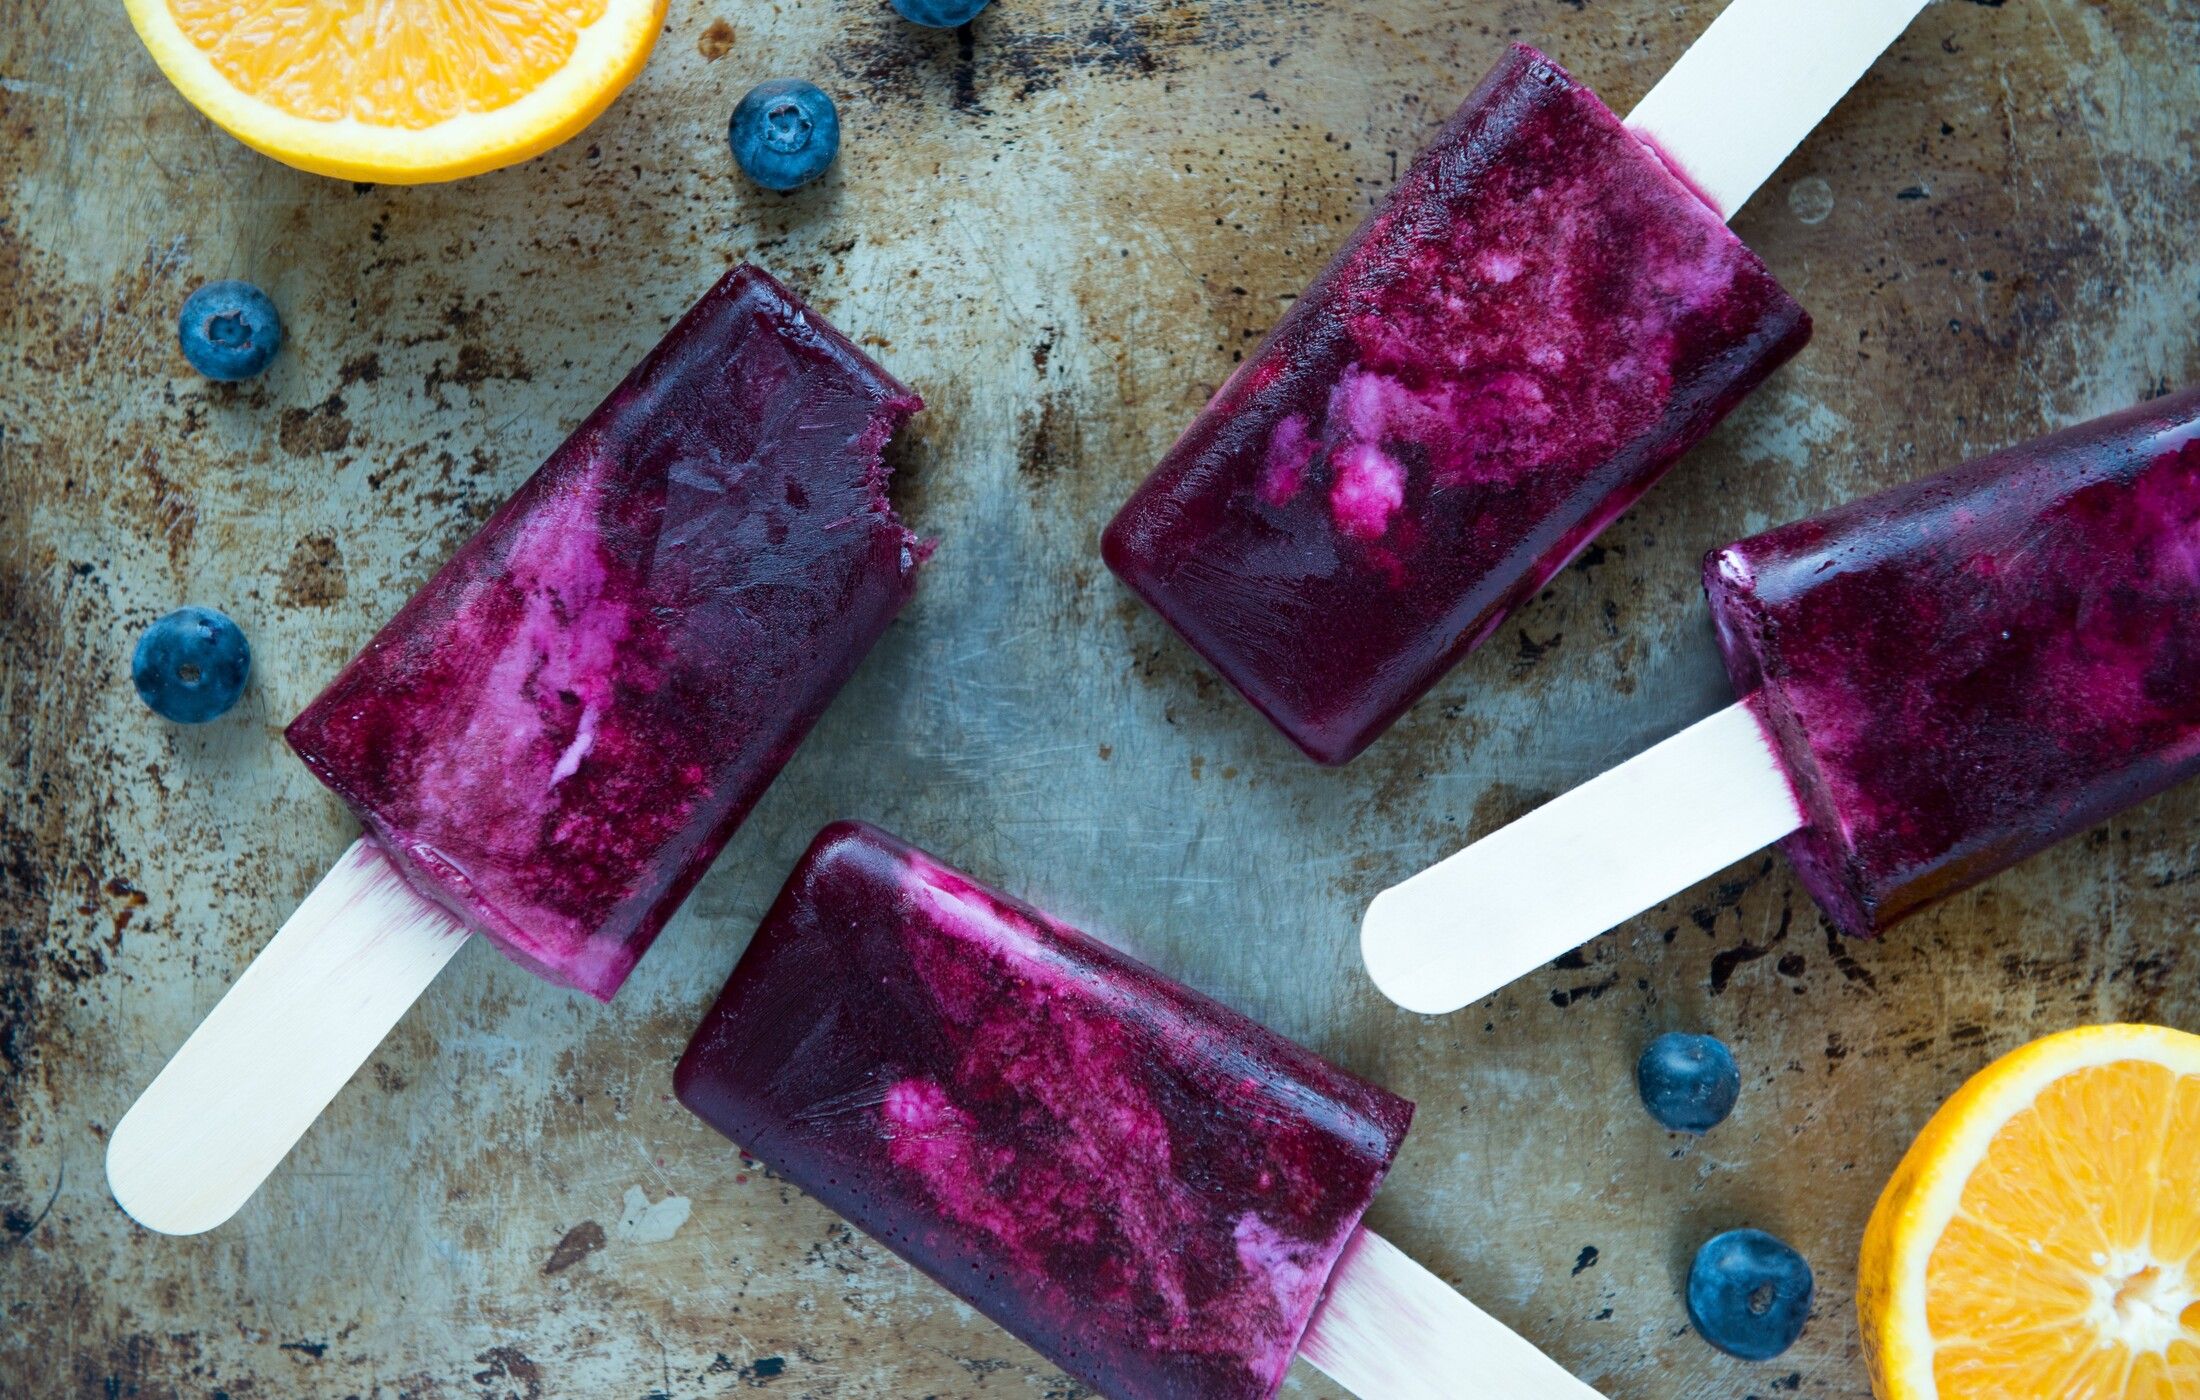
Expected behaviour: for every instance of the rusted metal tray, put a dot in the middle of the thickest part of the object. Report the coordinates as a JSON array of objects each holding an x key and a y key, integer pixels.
[{"x": 1062, "y": 230}]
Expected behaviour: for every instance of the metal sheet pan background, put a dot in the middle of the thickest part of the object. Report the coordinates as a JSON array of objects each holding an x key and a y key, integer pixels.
[{"x": 1062, "y": 233}]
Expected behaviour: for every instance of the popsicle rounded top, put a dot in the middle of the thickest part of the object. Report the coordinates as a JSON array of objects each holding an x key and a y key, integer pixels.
[
  {"x": 558, "y": 732},
  {"x": 1142, "y": 1184},
  {"x": 1966, "y": 669},
  {"x": 1536, "y": 323}
]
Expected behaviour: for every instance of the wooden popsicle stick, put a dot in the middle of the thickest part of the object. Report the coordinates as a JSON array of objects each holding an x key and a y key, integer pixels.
[
  {"x": 267, "y": 1059},
  {"x": 1756, "y": 82},
  {"x": 1388, "y": 1329},
  {"x": 1582, "y": 863}
]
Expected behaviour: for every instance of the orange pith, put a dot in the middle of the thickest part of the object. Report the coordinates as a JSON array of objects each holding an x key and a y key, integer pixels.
[{"x": 403, "y": 63}]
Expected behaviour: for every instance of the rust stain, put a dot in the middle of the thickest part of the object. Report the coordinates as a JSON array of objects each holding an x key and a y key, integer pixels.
[
  {"x": 581, "y": 1241},
  {"x": 1053, "y": 445},
  {"x": 475, "y": 365},
  {"x": 716, "y": 40},
  {"x": 360, "y": 369},
  {"x": 314, "y": 577},
  {"x": 321, "y": 428},
  {"x": 508, "y": 1374}
]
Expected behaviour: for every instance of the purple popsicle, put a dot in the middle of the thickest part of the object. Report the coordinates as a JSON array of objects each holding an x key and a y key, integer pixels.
[
  {"x": 1145, "y": 1186},
  {"x": 1967, "y": 669},
  {"x": 556, "y": 735},
  {"x": 1536, "y": 324}
]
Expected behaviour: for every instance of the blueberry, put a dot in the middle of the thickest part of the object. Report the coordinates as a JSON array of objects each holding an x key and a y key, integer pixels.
[
  {"x": 191, "y": 665},
  {"x": 784, "y": 133},
  {"x": 1688, "y": 1082},
  {"x": 1749, "y": 1294},
  {"x": 940, "y": 14},
  {"x": 229, "y": 330}
]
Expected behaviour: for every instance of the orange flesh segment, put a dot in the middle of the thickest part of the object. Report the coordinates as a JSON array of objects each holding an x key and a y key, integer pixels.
[
  {"x": 2177, "y": 1201},
  {"x": 390, "y": 63},
  {"x": 2099, "y": 1178}
]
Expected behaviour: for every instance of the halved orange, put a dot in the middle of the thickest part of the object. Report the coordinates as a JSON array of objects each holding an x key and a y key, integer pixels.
[
  {"x": 2041, "y": 1239},
  {"x": 399, "y": 91}
]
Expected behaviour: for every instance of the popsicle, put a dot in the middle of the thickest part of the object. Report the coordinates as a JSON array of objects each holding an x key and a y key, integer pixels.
[
  {"x": 551, "y": 741},
  {"x": 1544, "y": 315},
  {"x": 558, "y": 732},
  {"x": 1145, "y": 1186},
  {"x": 1936, "y": 683}
]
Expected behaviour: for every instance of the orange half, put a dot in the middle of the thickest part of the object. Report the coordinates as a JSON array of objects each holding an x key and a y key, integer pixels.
[
  {"x": 2041, "y": 1239},
  {"x": 399, "y": 91}
]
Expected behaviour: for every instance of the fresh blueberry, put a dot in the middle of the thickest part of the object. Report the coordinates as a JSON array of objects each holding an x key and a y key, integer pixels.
[
  {"x": 784, "y": 133},
  {"x": 1749, "y": 1294},
  {"x": 1688, "y": 1082},
  {"x": 229, "y": 330},
  {"x": 940, "y": 14},
  {"x": 191, "y": 665}
]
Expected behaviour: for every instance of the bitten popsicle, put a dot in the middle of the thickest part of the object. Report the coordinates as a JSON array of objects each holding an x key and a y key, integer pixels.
[
  {"x": 1542, "y": 317},
  {"x": 1145, "y": 1186},
  {"x": 554, "y": 737},
  {"x": 1936, "y": 683},
  {"x": 551, "y": 741}
]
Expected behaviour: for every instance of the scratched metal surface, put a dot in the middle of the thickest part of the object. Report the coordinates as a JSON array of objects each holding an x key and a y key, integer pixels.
[{"x": 1062, "y": 230}]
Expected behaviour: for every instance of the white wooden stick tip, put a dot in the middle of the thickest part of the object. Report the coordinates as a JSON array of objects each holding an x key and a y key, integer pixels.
[
  {"x": 271, "y": 1054},
  {"x": 1679, "y": 812}
]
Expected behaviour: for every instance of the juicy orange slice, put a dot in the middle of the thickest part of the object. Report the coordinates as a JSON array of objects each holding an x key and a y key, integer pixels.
[
  {"x": 2041, "y": 1239},
  {"x": 399, "y": 91}
]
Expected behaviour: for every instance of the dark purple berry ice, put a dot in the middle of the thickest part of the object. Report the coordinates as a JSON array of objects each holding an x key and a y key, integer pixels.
[
  {"x": 559, "y": 731},
  {"x": 1532, "y": 328},
  {"x": 1967, "y": 669},
  {"x": 1147, "y": 1187}
]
